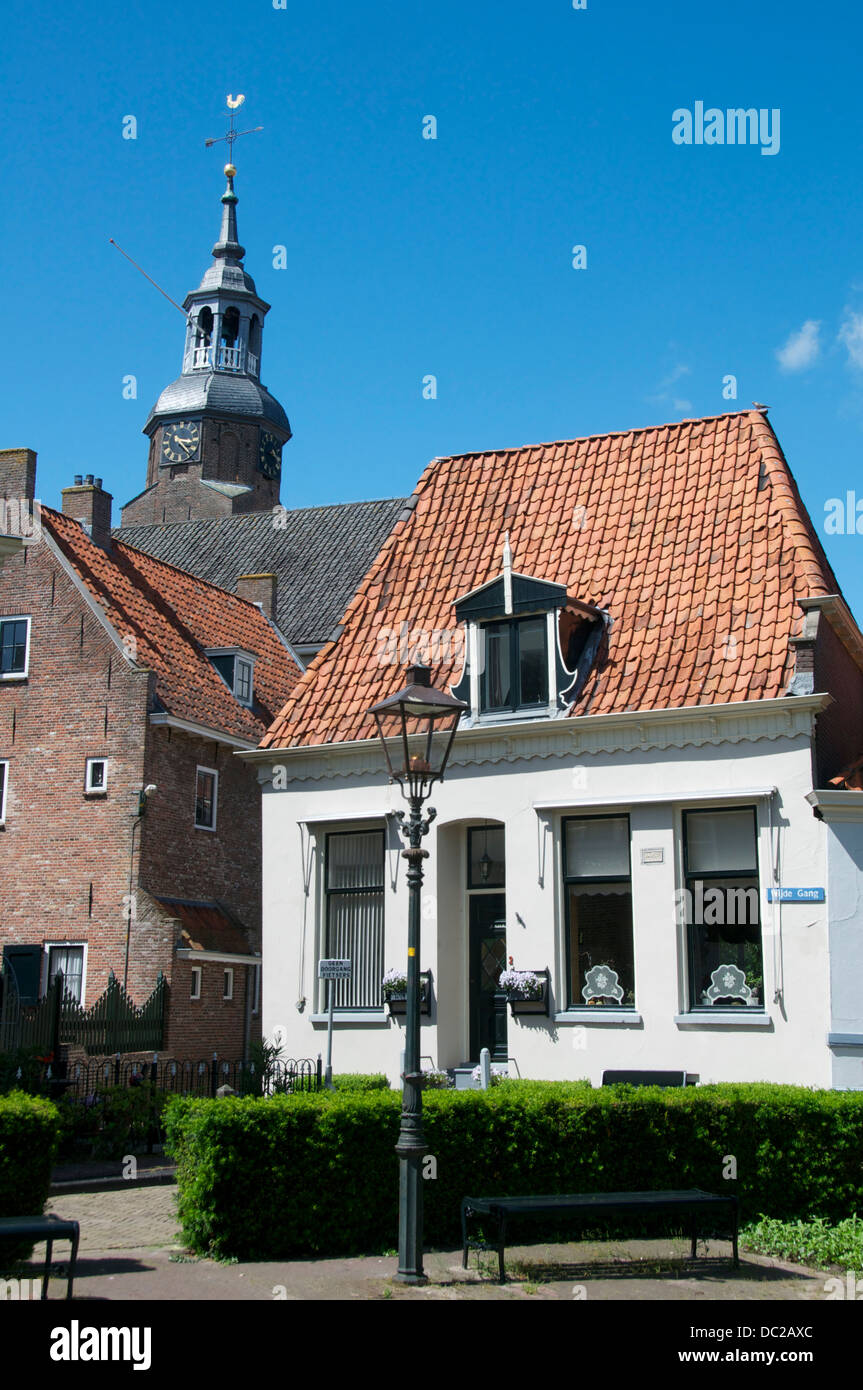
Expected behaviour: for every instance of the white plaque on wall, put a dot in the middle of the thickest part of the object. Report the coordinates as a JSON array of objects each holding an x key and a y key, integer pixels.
[{"x": 652, "y": 856}]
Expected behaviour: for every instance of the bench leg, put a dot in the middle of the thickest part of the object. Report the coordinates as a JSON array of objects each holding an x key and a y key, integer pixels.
[
  {"x": 501, "y": 1243},
  {"x": 49, "y": 1244},
  {"x": 464, "y": 1237},
  {"x": 73, "y": 1257},
  {"x": 736, "y": 1215},
  {"x": 694, "y": 1233}
]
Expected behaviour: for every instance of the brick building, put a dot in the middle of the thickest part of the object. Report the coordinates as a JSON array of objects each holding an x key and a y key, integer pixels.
[
  {"x": 130, "y": 834},
  {"x": 140, "y": 660}
]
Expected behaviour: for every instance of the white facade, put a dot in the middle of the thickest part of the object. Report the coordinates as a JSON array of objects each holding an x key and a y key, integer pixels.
[{"x": 807, "y": 1024}]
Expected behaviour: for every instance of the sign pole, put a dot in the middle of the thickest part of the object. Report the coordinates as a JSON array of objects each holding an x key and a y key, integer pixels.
[
  {"x": 332, "y": 970},
  {"x": 328, "y": 1078}
]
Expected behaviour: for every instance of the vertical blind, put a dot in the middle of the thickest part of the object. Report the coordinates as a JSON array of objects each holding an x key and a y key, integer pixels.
[{"x": 355, "y": 915}]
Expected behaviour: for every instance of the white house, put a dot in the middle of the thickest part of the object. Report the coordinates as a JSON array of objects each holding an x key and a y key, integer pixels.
[{"x": 653, "y": 803}]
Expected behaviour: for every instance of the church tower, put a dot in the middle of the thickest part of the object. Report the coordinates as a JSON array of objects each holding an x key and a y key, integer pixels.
[{"x": 216, "y": 434}]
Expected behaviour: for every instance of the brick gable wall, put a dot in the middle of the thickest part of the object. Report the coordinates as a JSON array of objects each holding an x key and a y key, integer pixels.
[{"x": 65, "y": 855}]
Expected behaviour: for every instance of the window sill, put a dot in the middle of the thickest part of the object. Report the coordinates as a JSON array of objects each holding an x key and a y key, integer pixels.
[
  {"x": 14, "y": 676},
  {"x": 725, "y": 1018},
  {"x": 624, "y": 1016},
  {"x": 352, "y": 1016},
  {"x": 91, "y": 794}
]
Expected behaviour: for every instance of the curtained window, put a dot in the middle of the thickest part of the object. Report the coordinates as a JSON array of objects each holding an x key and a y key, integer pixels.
[{"x": 354, "y": 882}]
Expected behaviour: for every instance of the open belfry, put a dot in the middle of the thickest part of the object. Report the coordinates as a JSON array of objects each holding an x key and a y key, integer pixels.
[{"x": 216, "y": 433}]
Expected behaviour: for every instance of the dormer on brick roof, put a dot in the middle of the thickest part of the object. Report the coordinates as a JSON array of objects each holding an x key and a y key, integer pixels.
[
  {"x": 237, "y": 669},
  {"x": 529, "y": 648}
]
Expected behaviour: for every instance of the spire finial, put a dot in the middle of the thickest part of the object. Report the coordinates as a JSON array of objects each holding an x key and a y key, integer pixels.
[{"x": 228, "y": 245}]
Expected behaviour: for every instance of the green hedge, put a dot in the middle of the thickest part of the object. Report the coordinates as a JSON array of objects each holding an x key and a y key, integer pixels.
[
  {"x": 28, "y": 1144},
  {"x": 361, "y": 1081},
  {"x": 316, "y": 1174},
  {"x": 111, "y": 1123}
]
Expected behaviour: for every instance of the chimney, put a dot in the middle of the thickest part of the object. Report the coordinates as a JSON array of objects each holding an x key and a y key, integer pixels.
[
  {"x": 88, "y": 503},
  {"x": 17, "y": 474},
  {"x": 259, "y": 589}
]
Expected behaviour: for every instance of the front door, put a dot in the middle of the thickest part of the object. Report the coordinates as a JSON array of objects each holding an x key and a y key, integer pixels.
[{"x": 488, "y": 1014}]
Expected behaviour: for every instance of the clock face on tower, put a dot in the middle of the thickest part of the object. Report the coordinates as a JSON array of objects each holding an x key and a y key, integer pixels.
[
  {"x": 181, "y": 441},
  {"x": 270, "y": 457}
]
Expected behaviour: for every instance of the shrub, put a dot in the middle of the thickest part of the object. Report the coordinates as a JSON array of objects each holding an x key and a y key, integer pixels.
[
  {"x": 808, "y": 1242},
  {"x": 360, "y": 1081},
  {"x": 317, "y": 1174},
  {"x": 109, "y": 1123},
  {"x": 28, "y": 1143}
]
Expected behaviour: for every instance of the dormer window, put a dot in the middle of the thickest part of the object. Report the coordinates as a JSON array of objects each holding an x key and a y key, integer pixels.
[
  {"x": 515, "y": 670},
  {"x": 237, "y": 669},
  {"x": 529, "y": 647}
]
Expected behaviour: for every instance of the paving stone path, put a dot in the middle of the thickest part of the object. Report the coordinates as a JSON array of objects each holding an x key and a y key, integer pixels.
[{"x": 131, "y": 1249}]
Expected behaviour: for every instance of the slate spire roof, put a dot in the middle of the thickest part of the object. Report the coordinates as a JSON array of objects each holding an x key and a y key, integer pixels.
[
  {"x": 691, "y": 536},
  {"x": 173, "y": 618}
]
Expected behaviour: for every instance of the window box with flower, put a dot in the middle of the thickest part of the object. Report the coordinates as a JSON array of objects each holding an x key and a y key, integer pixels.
[
  {"x": 395, "y": 992},
  {"x": 526, "y": 990}
]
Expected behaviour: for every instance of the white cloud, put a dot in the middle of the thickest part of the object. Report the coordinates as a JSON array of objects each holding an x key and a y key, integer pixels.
[
  {"x": 801, "y": 349},
  {"x": 682, "y": 406},
  {"x": 851, "y": 334}
]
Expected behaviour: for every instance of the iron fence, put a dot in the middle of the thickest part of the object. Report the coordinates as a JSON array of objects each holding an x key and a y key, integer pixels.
[
  {"x": 84, "y": 1079},
  {"x": 114, "y": 1023}
]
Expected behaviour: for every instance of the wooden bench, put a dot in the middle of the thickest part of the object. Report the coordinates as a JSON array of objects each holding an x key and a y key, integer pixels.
[
  {"x": 49, "y": 1229},
  {"x": 648, "y": 1078},
  {"x": 694, "y": 1202}
]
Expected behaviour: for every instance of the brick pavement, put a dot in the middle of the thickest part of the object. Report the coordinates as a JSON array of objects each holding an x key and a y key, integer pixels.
[{"x": 131, "y": 1249}]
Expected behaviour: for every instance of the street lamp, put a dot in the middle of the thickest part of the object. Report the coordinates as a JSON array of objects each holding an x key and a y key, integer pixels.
[{"x": 417, "y": 727}]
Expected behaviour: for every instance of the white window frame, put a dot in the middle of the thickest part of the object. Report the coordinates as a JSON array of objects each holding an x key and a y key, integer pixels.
[
  {"x": 239, "y": 654},
  {"x": 213, "y": 773},
  {"x": 48, "y": 947},
  {"x": 322, "y": 831},
  {"x": 197, "y": 982},
  {"x": 4, "y": 789},
  {"x": 18, "y": 618},
  {"x": 476, "y": 649},
  {"x": 90, "y": 790},
  {"x": 228, "y": 982}
]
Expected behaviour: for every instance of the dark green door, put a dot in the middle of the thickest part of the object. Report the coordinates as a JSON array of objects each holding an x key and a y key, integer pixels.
[{"x": 488, "y": 1008}]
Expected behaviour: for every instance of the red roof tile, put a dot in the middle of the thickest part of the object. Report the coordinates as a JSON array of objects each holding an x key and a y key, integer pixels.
[
  {"x": 172, "y": 617},
  {"x": 691, "y": 533}
]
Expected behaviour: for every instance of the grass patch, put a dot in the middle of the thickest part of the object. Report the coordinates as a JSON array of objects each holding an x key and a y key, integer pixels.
[{"x": 815, "y": 1242}]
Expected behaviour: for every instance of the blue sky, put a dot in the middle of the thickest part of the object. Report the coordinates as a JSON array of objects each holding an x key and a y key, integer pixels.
[{"x": 452, "y": 257}]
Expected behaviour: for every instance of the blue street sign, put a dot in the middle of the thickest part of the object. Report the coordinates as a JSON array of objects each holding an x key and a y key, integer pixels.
[{"x": 795, "y": 895}]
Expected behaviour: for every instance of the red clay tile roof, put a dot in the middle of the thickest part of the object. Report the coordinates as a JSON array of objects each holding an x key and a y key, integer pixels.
[
  {"x": 208, "y": 927},
  {"x": 693, "y": 537},
  {"x": 172, "y": 618}
]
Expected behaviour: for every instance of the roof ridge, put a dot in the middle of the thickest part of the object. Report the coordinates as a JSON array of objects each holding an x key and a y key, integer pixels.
[
  {"x": 587, "y": 438},
  {"x": 250, "y": 516}
]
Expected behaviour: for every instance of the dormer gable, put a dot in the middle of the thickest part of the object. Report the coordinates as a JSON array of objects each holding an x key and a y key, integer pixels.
[
  {"x": 529, "y": 647},
  {"x": 237, "y": 669}
]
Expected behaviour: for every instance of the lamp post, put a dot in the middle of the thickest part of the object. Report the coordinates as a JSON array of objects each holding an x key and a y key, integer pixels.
[{"x": 417, "y": 727}]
